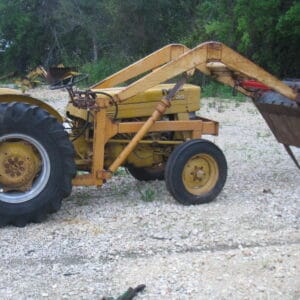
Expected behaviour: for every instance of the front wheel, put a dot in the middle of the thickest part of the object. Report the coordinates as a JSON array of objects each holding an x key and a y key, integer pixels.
[
  {"x": 196, "y": 172},
  {"x": 36, "y": 164}
]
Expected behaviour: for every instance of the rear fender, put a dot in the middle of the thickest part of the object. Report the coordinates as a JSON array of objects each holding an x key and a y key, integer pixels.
[{"x": 15, "y": 97}]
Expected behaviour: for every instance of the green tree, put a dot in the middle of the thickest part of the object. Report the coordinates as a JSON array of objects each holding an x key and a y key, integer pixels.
[
  {"x": 27, "y": 38},
  {"x": 263, "y": 35},
  {"x": 116, "y": 31},
  {"x": 142, "y": 26},
  {"x": 265, "y": 31},
  {"x": 86, "y": 25}
]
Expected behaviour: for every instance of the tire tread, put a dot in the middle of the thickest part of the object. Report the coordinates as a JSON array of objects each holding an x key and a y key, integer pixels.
[{"x": 19, "y": 113}]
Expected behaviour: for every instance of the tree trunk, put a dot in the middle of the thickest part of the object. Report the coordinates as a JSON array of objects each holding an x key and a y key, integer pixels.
[{"x": 95, "y": 50}]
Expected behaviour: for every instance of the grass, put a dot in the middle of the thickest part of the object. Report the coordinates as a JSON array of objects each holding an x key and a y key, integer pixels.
[
  {"x": 264, "y": 134},
  {"x": 121, "y": 172},
  {"x": 147, "y": 194},
  {"x": 216, "y": 89}
]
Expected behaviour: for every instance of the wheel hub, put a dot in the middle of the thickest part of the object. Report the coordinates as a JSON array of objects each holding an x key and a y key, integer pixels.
[
  {"x": 200, "y": 174},
  {"x": 19, "y": 165}
]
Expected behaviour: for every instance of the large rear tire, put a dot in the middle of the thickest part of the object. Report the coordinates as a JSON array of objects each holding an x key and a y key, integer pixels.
[
  {"x": 36, "y": 164},
  {"x": 196, "y": 172}
]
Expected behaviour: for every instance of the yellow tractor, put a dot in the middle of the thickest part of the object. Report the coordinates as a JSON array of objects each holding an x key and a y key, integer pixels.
[{"x": 147, "y": 126}]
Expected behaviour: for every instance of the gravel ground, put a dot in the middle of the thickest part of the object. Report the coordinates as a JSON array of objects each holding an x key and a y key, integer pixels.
[{"x": 244, "y": 245}]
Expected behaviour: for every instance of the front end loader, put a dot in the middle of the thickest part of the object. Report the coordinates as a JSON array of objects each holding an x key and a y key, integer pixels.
[{"x": 147, "y": 126}]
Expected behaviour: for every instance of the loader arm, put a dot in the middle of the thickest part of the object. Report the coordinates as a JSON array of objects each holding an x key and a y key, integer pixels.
[
  {"x": 150, "y": 62},
  {"x": 211, "y": 58},
  {"x": 224, "y": 65}
]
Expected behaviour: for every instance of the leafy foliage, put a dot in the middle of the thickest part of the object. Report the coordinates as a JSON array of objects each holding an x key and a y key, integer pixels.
[
  {"x": 102, "y": 36},
  {"x": 265, "y": 31}
]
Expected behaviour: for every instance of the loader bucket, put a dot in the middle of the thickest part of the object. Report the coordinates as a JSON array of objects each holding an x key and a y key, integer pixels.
[
  {"x": 282, "y": 115},
  {"x": 55, "y": 74}
]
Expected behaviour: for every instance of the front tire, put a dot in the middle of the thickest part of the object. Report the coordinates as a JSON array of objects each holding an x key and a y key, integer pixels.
[
  {"x": 36, "y": 164},
  {"x": 196, "y": 172}
]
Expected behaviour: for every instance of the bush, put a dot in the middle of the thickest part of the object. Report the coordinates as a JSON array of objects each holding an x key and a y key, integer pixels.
[
  {"x": 216, "y": 89},
  {"x": 103, "y": 68}
]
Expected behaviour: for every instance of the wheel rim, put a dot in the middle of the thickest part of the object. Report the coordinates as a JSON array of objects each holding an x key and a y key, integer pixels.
[
  {"x": 200, "y": 174},
  {"x": 30, "y": 168}
]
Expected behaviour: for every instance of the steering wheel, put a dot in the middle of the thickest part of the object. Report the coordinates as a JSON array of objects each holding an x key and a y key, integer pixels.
[{"x": 68, "y": 82}]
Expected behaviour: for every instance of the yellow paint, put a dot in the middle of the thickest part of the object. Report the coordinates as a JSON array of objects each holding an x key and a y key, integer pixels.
[
  {"x": 148, "y": 63},
  {"x": 144, "y": 155},
  {"x": 200, "y": 174},
  {"x": 9, "y": 95},
  {"x": 6, "y": 91},
  {"x": 144, "y": 99},
  {"x": 143, "y": 104},
  {"x": 19, "y": 165}
]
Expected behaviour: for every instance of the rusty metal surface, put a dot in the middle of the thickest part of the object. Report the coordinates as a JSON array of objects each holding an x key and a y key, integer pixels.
[
  {"x": 58, "y": 73},
  {"x": 19, "y": 164},
  {"x": 282, "y": 115},
  {"x": 84, "y": 99}
]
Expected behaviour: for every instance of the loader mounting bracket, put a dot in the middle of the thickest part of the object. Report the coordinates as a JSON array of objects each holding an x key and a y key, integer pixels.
[{"x": 83, "y": 99}]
